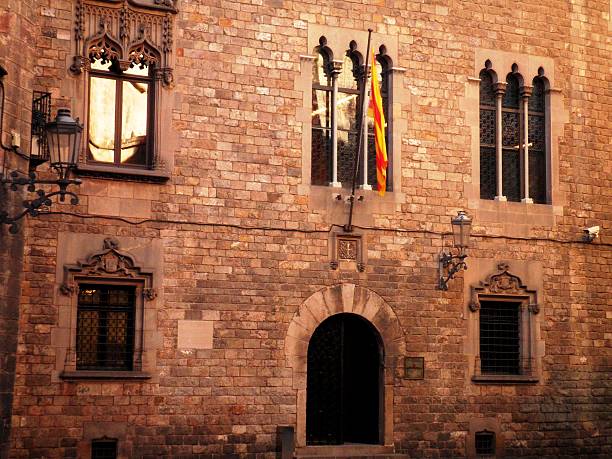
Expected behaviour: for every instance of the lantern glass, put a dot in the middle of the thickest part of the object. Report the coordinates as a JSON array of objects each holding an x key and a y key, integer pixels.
[
  {"x": 462, "y": 225},
  {"x": 64, "y": 139}
]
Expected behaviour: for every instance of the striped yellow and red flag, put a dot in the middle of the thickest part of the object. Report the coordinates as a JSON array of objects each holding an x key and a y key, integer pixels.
[{"x": 376, "y": 112}]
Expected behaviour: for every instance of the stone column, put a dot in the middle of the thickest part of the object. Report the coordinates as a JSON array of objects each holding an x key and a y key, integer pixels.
[
  {"x": 525, "y": 94},
  {"x": 500, "y": 90}
]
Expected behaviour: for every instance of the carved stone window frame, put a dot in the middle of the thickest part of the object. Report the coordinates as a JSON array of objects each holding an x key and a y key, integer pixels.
[
  {"x": 128, "y": 31},
  {"x": 110, "y": 266},
  {"x": 556, "y": 116},
  {"x": 503, "y": 286},
  {"x": 324, "y": 198}
]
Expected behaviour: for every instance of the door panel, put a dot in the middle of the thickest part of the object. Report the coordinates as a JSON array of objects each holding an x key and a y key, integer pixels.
[{"x": 343, "y": 382}]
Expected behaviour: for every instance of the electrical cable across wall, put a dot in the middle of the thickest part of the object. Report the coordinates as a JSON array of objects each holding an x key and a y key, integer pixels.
[{"x": 315, "y": 231}]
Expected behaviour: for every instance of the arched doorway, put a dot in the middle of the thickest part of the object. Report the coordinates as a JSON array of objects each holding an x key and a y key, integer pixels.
[{"x": 344, "y": 376}]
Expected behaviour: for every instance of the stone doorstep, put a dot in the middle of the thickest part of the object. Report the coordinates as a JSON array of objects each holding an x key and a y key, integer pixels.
[
  {"x": 347, "y": 450},
  {"x": 367, "y": 456}
]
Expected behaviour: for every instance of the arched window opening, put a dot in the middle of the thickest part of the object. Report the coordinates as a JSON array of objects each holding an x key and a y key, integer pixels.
[
  {"x": 537, "y": 142},
  {"x": 488, "y": 177},
  {"x": 336, "y": 108},
  {"x": 513, "y": 150},
  {"x": 322, "y": 92},
  {"x": 344, "y": 376},
  {"x": 511, "y": 138}
]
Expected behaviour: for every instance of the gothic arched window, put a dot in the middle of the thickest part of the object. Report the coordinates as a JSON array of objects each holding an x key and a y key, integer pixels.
[
  {"x": 513, "y": 147},
  {"x": 335, "y": 117}
]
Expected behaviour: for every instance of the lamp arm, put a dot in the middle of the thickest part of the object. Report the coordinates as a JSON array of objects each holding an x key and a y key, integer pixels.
[
  {"x": 43, "y": 199},
  {"x": 452, "y": 264}
]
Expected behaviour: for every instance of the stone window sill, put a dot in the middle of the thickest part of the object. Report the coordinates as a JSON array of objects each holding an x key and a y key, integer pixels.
[
  {"x": 104, "y": 375},
  {"x": 123, "y": 173},
  {"x": 504, "y": 379}
]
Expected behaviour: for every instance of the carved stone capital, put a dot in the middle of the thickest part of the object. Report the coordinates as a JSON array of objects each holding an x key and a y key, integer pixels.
[
  {"x": 335, "y": 67},
  {"x": 500, "y": 89},
  {"x": 68, "y": 288},
  {"x": 149, "y": 294},
  {"x": 534, "y": 308},
  {"x": 78, "y": 64},
  {"x": 526, "y": 91},
  {"x": 474, "y": 306}
]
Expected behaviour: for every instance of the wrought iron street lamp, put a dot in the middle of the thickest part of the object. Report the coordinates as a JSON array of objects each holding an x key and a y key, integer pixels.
[
  {"x": 64, "y": 138},
  {"x": 449, "y": 263}
]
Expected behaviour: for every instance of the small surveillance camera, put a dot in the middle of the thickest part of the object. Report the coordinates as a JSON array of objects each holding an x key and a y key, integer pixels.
[{"x": 591, "y": 233}]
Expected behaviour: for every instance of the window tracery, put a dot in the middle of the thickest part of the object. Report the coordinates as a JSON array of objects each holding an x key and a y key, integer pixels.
[
  {"x": 336, "y": 106},
  {"x": 513, "y": 150}
]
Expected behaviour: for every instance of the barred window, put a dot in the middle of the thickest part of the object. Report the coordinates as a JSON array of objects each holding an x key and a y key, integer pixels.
[
  {"x": 485, "y": 443},
  {"x": 513, "y": 150},
  {"x": 105, "y": 448},
  {"x": 499, "y": 338},
  {"x": 105, "y": 327},
  {"x": 336, "y": 106}
]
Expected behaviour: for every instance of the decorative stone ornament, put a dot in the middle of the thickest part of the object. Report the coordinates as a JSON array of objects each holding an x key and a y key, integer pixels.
[
  {"x": 347, "y": 248},
  {"x": 506, "y": 284},
  {"x": 108, "y": 263},
  {"x": 127, "y": 31}
]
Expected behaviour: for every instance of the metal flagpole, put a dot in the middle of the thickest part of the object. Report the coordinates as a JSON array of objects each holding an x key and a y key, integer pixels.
[{"x": 349, "y": 226}]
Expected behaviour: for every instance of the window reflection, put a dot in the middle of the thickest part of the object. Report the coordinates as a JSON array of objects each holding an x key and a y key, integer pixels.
[
  {"x": 102, "y": 95},
  {"x": 118, "y": 114},
  {"x": 134, "y": 122}
]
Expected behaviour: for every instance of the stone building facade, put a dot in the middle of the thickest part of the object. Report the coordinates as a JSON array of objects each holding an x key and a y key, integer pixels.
[{"x": 219, "y": 249}]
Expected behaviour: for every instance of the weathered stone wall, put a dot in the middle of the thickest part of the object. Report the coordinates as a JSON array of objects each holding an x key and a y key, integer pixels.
[
  {"x": 236, "y": 111},
  {"x": 16, "y": 56}
]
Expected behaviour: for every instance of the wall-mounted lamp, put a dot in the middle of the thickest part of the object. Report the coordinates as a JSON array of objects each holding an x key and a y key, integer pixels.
[
  {"x": 450, "y": 264},
  {"x": 64, "y": 138}
]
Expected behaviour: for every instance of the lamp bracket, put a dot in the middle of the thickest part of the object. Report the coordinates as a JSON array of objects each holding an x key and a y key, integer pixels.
[
  {"x": 31, "y": 207},
  {"x": 449, "y": 265}
]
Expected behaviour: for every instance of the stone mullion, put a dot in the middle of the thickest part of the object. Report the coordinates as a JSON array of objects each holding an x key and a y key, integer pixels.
[
  {"x": 500, "y": 90},
  {"x": 525, "y": 94},
  {"x": 335, "y": 68}
]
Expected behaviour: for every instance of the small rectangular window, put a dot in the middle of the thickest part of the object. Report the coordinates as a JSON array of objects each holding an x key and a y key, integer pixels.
[
  {"x": 499, "y": 338},
  {"x": 105, "y": 327},
  {"x": 104, "y": 449},
  {"x": 485, "y": 443}
]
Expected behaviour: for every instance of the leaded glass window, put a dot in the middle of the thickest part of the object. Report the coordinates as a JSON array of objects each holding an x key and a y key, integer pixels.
[
  {"x": 522, "y": 148},
  {"x": 511, "y": 139},
  {"x": 488, "y": 174},
  {"x": 537, "y": 142},
  {"x": 105, "y": 327}
]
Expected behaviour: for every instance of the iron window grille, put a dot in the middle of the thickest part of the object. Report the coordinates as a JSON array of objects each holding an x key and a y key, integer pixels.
[
  {"x": 105, "y": 327},
  {"x": 513, "y": 137},
  {"x": 104, "y": 449},
  {"x": 485, "y": 443},
  {"x": 41, "y": 115},
  {"x": 500, "y": 338}
]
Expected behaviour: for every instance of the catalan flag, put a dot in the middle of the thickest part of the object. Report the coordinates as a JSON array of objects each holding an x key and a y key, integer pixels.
[{"x": 376, "y": 111}]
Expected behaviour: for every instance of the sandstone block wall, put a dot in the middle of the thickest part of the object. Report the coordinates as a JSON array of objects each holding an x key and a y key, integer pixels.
[{"x": 256, "y": 243}]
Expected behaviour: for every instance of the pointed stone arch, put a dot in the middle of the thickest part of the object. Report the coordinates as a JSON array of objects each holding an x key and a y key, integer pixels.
[{"x": 343, "y": 298}]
